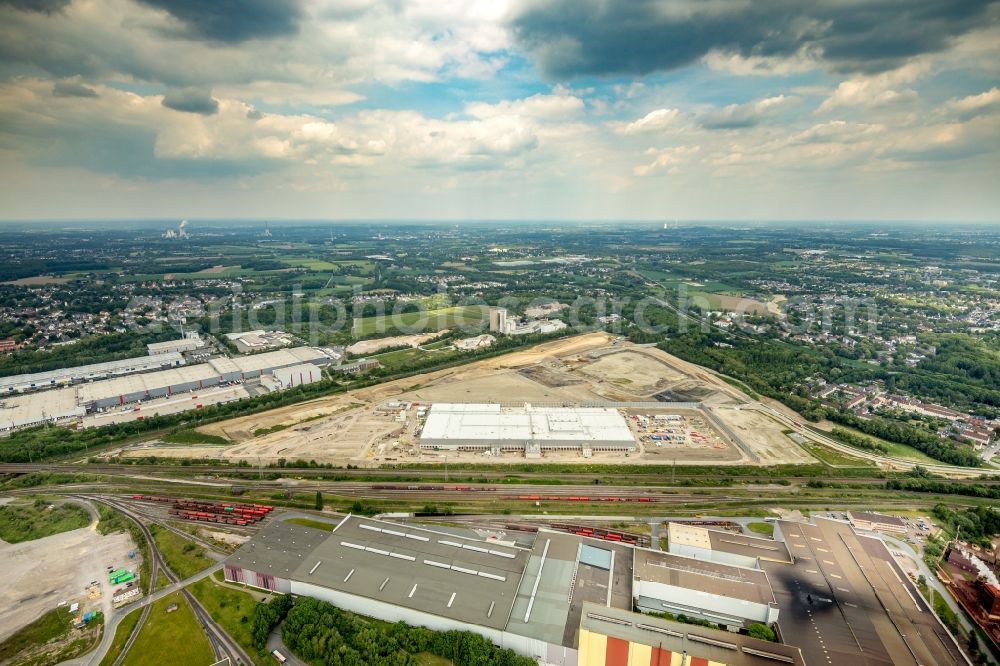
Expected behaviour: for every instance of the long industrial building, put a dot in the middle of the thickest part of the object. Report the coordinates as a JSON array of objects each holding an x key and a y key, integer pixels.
[
  {"x": 482, "y": 427},
  {"x": 87, "y": 373},
  {"x": 533, "y": 600},
  {"x": 108, "y": 393},
  {"x": 73, "y": 401},
  {"x": 566, "y": 599}
]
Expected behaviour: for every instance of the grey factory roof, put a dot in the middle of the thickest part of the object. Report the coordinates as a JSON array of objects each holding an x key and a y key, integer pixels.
[
  {"x": 750, "y": 546},
  {"x": 467, "y": 580},
  {"x": 850, "y": 598},
  {"x": 278, "y": 549},
  {"x": 707, "y": 577},
  {"x": 565, "y": 572},
  {"x": 92, "y": 371},
  {"x": 185, "y": 344},
  {"x": 877, "y": 518},
  {"x": 714, "y": 645}
]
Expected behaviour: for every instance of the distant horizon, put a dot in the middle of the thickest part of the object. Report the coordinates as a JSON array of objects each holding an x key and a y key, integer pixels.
[{"x": 193, "y": 223}]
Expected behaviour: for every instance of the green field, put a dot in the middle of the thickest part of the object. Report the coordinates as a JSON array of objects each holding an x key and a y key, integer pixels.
[
  {"x": 26, "y": 521},
  {"x": 468, "y": 315},
  {"x": 232, "y": 609},
  {"x": 767, "y": 529},
  {"x": 833, "y": 457},
  {"x": 191, "y": 436},
  {"x": 170, "y": 638},
  {"x": 122, "y": 633},
  {"x": 317, "y": 265},
  {"x": 185, "y": 558}
]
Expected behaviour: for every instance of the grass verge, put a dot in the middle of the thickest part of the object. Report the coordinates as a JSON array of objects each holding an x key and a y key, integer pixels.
[
  {"x": 232, "y": 609},
  {"x": 122, "y": 633},
  {"x": 114, "y": 521},
  {"x": 170, "y": 637},
  {"x": 185, "y": 558}
]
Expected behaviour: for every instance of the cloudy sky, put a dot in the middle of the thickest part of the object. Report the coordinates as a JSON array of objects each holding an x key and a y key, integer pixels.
[{"x": 500, "y": 109}]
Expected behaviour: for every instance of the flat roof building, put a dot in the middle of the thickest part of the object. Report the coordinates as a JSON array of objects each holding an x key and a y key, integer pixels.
[
  {"x": 720, "y": 593},
  {"x": 610, "y": 637},
  {"x": 428, "y": 572},
  {"x": 108, "y": 385},
  {"x": 876, "y": 521},
  {"x": 295, "y": 375},
  {"x": 188, "y": 343},
  {"x": 269, "y": 561},
  {"x": 86, "y": 373},
  {"x": 563, "y": 572},
  {"x": 568, "y": 599},
  {"x": 22, "y": 411},
  {"x": 477, "y": 426},
  {"x": 846, "y": 600},
  {"x": 722, "y": 546}
]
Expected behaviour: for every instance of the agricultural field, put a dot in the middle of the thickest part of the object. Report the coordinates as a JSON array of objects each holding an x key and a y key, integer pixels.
[{"x": 465, "y": 317}]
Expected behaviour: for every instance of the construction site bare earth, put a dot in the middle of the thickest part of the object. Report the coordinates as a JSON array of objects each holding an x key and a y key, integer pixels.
[{"x": 677, "y": 412}]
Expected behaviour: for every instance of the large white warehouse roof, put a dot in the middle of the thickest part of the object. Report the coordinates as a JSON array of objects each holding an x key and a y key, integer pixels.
[{"x": 496, "y": 423}]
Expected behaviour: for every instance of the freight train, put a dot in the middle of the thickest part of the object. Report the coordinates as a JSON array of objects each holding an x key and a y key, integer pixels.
[{"x": 212, "y": 512}]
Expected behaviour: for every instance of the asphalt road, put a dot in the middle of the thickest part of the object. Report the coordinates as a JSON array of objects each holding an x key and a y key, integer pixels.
[{"x": 222, "y": 644}]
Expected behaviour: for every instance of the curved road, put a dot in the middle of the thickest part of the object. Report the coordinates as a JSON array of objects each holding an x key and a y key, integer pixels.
[{"x": 223, "y": 646}]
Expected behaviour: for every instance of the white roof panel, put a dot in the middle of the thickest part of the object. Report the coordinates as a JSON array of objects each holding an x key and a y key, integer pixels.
[{"x": 492, "y": 422}]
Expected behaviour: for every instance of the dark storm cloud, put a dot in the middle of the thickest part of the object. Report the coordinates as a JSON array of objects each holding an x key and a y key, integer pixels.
[
  {"x": 234, "y": 21},
  {"x": 40, "y": 6},
  {"x": 571, "y": 38},
  {"x": 191, "y": 100},
  {"x": 72, "y": 89}
]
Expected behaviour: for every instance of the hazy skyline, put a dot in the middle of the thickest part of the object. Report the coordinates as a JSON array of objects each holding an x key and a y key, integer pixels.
[{"x": 557, "y": 109}]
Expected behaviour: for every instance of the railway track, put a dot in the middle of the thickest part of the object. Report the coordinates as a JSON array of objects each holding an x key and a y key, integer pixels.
[
  {"x": 223, "y": 647},
  {"x": 150, "y": 472},
  {"x": 512, "y": 493}
]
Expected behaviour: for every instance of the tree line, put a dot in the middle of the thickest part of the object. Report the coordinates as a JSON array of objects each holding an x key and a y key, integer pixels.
[{"x": 321, "y": 633}]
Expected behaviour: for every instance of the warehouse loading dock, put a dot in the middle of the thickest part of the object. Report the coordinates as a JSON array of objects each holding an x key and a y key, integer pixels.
[{"x": 75, "y": 403}]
